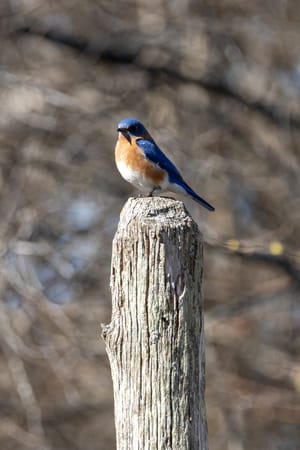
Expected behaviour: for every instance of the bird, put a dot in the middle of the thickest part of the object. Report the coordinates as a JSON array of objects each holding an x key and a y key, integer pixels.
[{"x": 142, "y": 163}]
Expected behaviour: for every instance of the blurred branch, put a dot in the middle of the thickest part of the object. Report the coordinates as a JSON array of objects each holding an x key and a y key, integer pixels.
[
  {"x": 22, "y": 382},
  {"x": 9, "y": 428},
  {"x": 80, "y": 411},
  {"x": 288, "y": 263},
  {"x": 120, "y": 55}
]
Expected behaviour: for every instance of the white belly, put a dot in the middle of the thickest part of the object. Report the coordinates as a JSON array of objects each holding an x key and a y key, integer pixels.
[{"x": 138, "y": 180}]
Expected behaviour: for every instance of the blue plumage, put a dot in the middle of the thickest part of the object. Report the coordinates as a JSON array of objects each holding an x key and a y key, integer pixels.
[
  {"x": 154, "y": 153},
  {"x": 132, "y": 129}
]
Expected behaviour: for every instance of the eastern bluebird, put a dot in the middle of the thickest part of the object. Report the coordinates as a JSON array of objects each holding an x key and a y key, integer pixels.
[{"x": 141, "y": 162}]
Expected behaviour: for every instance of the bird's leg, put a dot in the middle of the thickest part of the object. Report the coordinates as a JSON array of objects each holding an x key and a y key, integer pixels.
[{"x": 154, "y": 190}]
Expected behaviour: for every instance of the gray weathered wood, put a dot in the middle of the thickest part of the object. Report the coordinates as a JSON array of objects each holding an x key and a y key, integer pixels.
[{"x": 155, "y": 338}]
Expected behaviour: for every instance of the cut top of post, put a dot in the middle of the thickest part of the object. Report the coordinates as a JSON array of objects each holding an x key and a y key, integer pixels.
[{"x": 153, "y": 211}]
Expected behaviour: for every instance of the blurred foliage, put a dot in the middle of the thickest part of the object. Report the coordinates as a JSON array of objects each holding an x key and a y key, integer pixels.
[{"x": 218, "y": 85}]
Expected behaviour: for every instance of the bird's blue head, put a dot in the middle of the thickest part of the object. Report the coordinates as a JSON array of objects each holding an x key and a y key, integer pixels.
[{"x": 133, "y": 128}]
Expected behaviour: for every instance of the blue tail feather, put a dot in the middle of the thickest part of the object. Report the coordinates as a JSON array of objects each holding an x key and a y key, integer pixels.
[{"x": 195, "y": 196}]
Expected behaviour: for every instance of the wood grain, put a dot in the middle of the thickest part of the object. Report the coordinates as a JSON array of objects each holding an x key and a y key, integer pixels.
[{"x": 155, "y": 338}]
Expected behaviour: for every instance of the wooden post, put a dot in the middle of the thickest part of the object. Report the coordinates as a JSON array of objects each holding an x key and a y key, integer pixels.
[{"x": 155, "y": 338}]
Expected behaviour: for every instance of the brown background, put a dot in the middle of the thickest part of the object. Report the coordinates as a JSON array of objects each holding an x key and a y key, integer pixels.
[{"x": 218, "y": 85}]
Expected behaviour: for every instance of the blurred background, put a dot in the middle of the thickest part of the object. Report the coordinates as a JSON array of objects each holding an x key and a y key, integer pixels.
[{"x": 217, "y": 83}]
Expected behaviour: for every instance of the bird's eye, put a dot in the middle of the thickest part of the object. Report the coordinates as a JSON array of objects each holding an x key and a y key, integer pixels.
[{"x": 133, "y": 128}]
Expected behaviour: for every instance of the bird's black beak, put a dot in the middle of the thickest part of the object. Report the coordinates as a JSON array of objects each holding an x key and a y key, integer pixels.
[{"x": 125, "y": 133}]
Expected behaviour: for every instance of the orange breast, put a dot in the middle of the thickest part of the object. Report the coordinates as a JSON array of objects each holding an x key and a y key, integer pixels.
[{"x": 133, "y": 158}]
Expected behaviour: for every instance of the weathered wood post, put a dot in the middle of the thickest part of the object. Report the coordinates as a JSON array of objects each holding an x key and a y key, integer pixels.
[{"x": 155, "y": 338}]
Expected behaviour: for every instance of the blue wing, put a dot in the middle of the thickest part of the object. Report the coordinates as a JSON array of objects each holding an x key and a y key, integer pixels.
[{"x": 154, "y": 154}]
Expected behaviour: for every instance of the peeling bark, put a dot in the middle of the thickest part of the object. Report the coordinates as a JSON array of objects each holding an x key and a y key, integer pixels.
[{"x": 155, "y": 338}]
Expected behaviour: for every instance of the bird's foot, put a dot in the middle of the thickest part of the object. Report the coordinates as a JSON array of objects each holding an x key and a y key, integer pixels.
[{"x": 155, "y": 190}]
